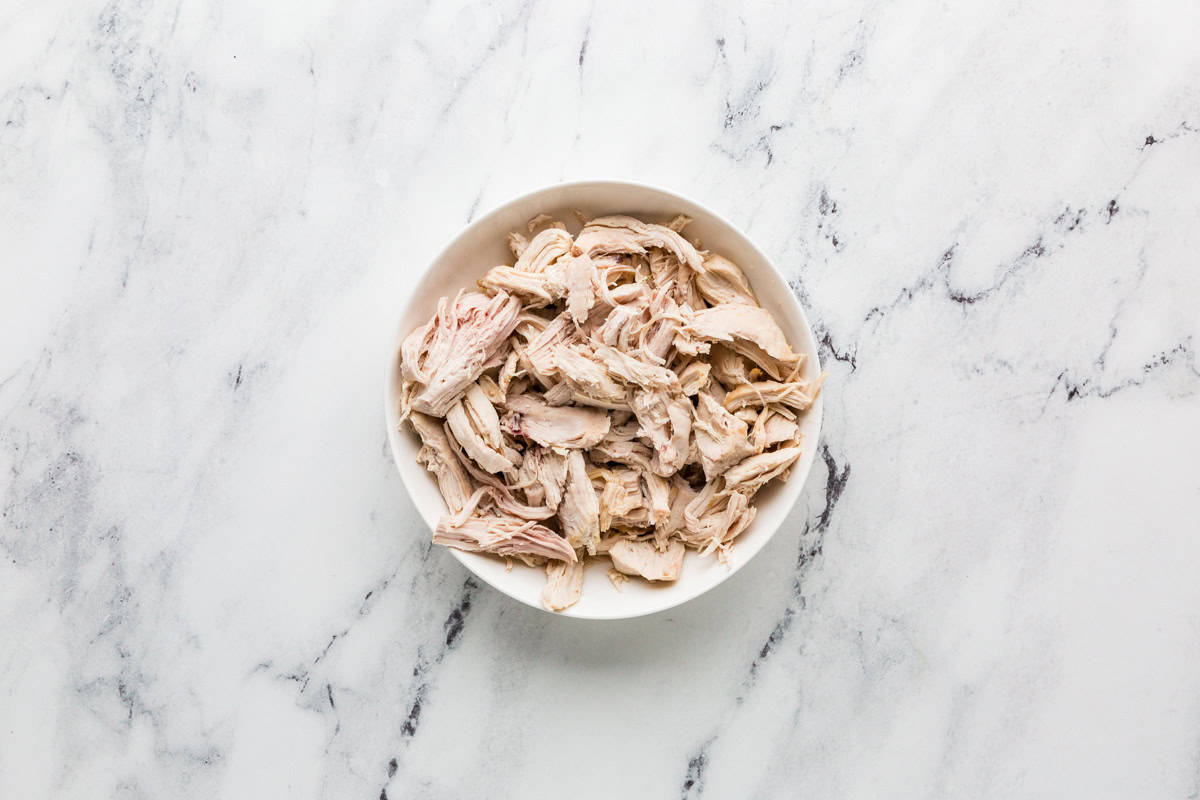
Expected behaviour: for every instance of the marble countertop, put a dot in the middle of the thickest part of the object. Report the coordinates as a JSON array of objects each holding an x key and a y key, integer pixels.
[{"x": 213, "y": 584}]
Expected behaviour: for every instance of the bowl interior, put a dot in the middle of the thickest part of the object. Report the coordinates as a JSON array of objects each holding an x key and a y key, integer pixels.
[{"x": 482, "y": 245}]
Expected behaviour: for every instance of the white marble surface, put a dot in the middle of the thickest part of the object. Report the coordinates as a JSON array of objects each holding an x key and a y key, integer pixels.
[{"x": 212, "y": 583}]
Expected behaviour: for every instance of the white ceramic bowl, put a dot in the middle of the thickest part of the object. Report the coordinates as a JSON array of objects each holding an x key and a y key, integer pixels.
[{"x": 482, "y": 245}]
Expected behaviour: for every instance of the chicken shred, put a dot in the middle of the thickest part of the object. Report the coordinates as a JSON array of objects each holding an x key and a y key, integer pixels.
[
  {"x": 476, "y": 426},
  {"x": 505, "y": 536},
  {"x": 721, "y": 438},
  {"x": 555, "y": 426},
  {"x": 440, "y": 359},
  {"x": 641, "y": 558},
  {"x": 748, "y": 330},
  {"x": 564, "y": 584},
  {"x": 615, "y": 394}
]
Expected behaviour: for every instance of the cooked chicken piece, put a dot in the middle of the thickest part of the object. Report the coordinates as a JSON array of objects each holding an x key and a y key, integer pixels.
[
  {"x": 497, "y": 358},
  {"x": 622, "y": 451},
  {"x": 528, "y": 474},
  {"x": 708, "y": 497},
  {"x": 560, "y": 394},
  {"x": 670, "y": 275},
  {"x": 621, "y": 326},
  {"x": 627, "y": 293},
  {"x": 609, "y": 495},
  {"x": 543, "y": 219},
  {"x": 530, "y": 324},
  {"x": 757, "y": 470},
  {"x": 682, "y": 494},
  {"x": 723, "y": 282},
  {"x": 509, "y": 371},
  {"x": 521, "y": 385},
  {"x": 529, "y": 375},
  {"x": 596, "y": 240},
  {"x": 680, "y": 412},
  {"x": 579, "y": 511},
  {"x": 687, "y": 343},
  {"x": 564, "y": 584},
  {"x": 634, "y": 523},
  {"x": 666, "y": 421},
  {"x": 635, "y": 372},
  {"x": 641, "y": 558},
  {"x": 588, "y": 377},
  {"x": 721, "y": 438},
  {"x": 491, "y": 389},
  {"x": 749, "y": 330},
  {"x": 727, "y": 366},
  {"x": 794, "y": 394},
  {"x": 540, "y": 351},
  {"x": 442, "y": 358},
  {"x": 478, "y": 475},
  {"x": 501, "y": 499},
  {"x": 658, "y": 497},
  {"x": 595, "y": 319},
  {"x": 437, "y": 456},
  {"x": 786, "y": 412},
  {"x": 614, "y": 261},
  {"x": 607, "y": 540},
  {"x": 582, "y": 282},
  {"x": 656, "y": 338},
  {"x": 624, "y": 425},
  {"x": 609, "y": 405},
  {"x": 686, "y": 293},
  {"x": 544, "y": 249},
  {"x": 679, "y": 222},
  {"x": 718, "y": 522},
  {"x": 772, "y": 427},
  {"x": 621, "y": 234},
  {"x": 543, "y": 473},
  {"x": 555, "y": 426},
  {"x": 616, "y": 283},
  {"x": 747, "y": 414},
  {"x": 621, "y": 501},
  {"x": 631, "y": 507},
  {"x": 476, "y": 426},
  {"x": 517, "y": 244},
  {"x": 504, "y": 536},
  {"x": 533, "y": 286},
  {"x": 694, "y": 377},
  {"x": 718, "y": 393},
  {"x": 663, "y": 331}
]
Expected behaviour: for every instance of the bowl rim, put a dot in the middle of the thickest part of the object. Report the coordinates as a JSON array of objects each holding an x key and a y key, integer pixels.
[{"x": 816, "y": 411}]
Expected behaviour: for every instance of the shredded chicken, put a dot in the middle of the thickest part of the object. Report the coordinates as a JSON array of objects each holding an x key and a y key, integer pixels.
[
  {"x": 721, "y": 438},
  {"x": 795, "y": 394},
  {"x": 749, "y": 330},
  {"x": 442, "y": 358},
  {"x": 476, "y": 426},
  {"x": 555, "y": 426},
  {"x": 694, "y": 377},
  {"x": 543, "y": 473},
  {"x": 437, "y": 456},
  {"x": 505, "y": 536},
  {"x": 723, "y": 282},
  {"x": 616, "y": 394},
  {"x": 579, "y": 512},
  {"x": 757, "y": 470},
  {"x": 564, "y": 584},
  {"x": 773, "y": 426},
  {"x": 641, "y": 558}
]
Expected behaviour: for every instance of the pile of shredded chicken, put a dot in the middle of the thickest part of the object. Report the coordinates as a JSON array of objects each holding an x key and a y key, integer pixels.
[{"x": 616, "y": 394}]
